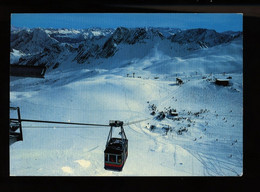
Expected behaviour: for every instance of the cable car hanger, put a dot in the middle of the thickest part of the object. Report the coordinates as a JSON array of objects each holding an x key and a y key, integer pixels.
[{"x": 116, "y": 151}]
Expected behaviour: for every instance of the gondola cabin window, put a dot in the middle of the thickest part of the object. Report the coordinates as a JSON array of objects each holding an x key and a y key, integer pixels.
[
  {"x": 119, "y": 159},
  {"x": 106, "y": 157},
  {"x": 112, "y": 158}
]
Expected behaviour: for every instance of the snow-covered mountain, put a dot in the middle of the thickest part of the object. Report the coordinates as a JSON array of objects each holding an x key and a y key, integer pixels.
[
  {"x": 77, "y": 36},
  {"x": 97, "y": 75},
  {"x": 202, "y": 38},
  {"x": 51, "y": 46},
  {"x": 31, "y": 41}
]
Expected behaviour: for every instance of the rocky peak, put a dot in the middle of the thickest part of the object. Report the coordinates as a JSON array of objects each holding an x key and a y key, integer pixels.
[
  {"x": 201, "y": 36},
  {"x": 31, "y": 41}
]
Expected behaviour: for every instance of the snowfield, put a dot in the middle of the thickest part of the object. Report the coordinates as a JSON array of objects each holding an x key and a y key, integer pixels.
[{"x": 205, "y": 139}]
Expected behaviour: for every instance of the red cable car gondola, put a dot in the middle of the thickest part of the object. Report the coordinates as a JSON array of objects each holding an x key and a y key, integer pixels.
[{"x": 116, "y": 148}]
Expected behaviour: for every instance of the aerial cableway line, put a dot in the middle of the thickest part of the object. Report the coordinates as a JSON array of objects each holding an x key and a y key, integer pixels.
[
  {"x": 59, "y": 122},
  {"x": 116, "y": 149},
  {"x": 72, "y": 123}
]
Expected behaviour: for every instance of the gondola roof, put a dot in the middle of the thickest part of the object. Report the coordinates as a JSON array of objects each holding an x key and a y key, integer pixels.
[{"x": 116, "y": 145}]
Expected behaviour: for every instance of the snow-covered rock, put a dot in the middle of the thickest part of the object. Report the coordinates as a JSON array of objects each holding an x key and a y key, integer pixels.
[
  {"x": 201, "y": 38},
  {"x": 15, "y": 56},
  {"x": 31, "y": 41}
]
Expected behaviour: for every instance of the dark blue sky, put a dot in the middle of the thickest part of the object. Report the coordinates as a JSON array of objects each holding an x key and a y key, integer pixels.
[{"x": 218, "y": 21}]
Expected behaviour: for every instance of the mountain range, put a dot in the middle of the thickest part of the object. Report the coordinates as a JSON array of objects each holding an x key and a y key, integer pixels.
[{"x": 54, "y": 47}]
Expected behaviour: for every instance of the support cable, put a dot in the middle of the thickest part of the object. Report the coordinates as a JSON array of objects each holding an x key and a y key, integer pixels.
[
  {"x": 70, "y": 123},
  {"x": 57, "y": 122}
]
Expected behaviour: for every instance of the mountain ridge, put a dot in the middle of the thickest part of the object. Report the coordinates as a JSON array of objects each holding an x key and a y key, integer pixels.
[{"x": 44, "y": 46}]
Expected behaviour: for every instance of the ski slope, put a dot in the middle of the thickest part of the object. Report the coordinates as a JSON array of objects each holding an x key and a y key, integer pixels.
[{"x": 102, "y": 91}]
